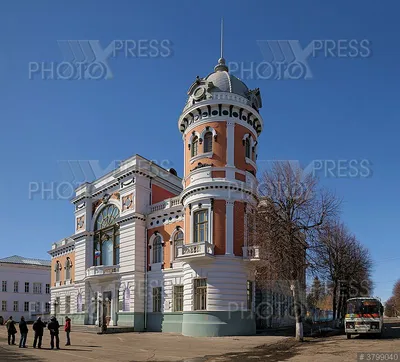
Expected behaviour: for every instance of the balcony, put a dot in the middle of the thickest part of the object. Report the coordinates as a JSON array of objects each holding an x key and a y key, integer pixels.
[
  {"x": 102, "y": 271},
  {"x": 251, "y": 253},
  {"x": 166, "y": 204},
  {"x": 195, "y": 250}
]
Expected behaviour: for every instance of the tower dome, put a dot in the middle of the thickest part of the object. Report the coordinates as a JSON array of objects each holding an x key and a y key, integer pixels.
[{"x": 221, "y": 81}]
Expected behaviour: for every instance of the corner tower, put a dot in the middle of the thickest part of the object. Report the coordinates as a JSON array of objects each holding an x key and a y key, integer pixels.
[{"x": 220, "y": 126}]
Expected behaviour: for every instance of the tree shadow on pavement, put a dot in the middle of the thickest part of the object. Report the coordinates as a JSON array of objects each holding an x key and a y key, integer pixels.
[
  {"x": 283, "y": 332},
  {"x": 277, "y": 352},
  {"x": 8, "y": 355}
]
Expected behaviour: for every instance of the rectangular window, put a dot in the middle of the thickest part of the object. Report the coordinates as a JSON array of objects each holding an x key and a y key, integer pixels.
[
  {"x": 157, "y": 299},
  {"x": 37, "y": 288},
  {"x": 4, "y": 306},
  {"x": 178, "y": 298},
  {"x": 200, "y": 294},
  {"x": 26, "y": 307},
  {"x": 4, "y": 286},
  {"x": 249, "y": 295},
  {"x": 47, "y": 288},
  {"x": 67, "y": 304},
  {"x": 16, "y": 287},
  {"x": 26, "y": 287},
  {"x": 47, "y": 306},
  {"x": 201, "y": 226},
  {"x": 15, "y": 306},
  {"x": 36, "y": 307}
]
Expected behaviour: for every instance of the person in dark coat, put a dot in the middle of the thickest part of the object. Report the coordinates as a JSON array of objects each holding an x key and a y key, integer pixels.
[
  {"x": 38, "y": 328},
  {"x": 67, "y": 329},
  {"x": 11, "y": 330},
  {"x": 23, "y": 330},
  {"x": 53, "y": 327}
]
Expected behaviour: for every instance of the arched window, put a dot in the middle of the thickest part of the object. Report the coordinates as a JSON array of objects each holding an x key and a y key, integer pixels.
[
  {"x": 127, "y": 300},
  {"x": 247, "y": 147},
  {"x": 106, "y": 238},
  {"x": 157, "y": 249},
  {"x": 57, "y": 271},
  {"x": 208, "y": 139},
  {"x": 200, "y": 226},
  {"x": 178, "y": 241},
  {"x": 68, "y": 266},
  {"x": 107, "y": 217},
  {"x": 195, "y": 146}
]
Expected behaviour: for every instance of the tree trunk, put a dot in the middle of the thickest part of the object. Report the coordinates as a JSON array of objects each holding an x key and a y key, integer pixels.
[
  {"x": 297, "y": 311},
  {"x": 339, "y": 310},
  {"x": 334, "y": 300}
]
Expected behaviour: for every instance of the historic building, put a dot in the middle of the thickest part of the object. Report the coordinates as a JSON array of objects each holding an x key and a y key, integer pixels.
[
  {"x": 25, "y": 287},
  {"x": 157, "y": 252}
]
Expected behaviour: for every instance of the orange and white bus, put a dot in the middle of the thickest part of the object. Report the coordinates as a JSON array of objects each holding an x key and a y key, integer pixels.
[{"x": 364, "y": 315}]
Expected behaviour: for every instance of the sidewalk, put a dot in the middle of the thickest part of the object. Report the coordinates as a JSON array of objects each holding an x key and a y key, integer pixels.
[{"x": 133, "y": 347}]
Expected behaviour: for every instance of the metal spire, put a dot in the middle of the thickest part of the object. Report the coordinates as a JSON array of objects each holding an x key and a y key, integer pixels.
[
  {"x": 221, "y": 66},
  {"x": 222, "y": 37}
]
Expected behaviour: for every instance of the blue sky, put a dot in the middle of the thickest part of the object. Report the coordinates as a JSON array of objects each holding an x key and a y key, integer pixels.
[{"x": 347, "y": 111}]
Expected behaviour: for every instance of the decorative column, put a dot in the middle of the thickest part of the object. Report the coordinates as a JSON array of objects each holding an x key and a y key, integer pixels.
[
  {"x": 229, "y": 228},
  {"x": 230, "y": 148}
]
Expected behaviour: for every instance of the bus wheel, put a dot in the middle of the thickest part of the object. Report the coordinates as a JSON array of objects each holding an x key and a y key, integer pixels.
[{"x": 348, "y": 335}]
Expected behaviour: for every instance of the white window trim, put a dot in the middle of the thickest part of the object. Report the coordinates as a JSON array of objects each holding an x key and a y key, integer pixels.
[
  {"x": 251, "y": 162},
  {"x": 193, "y": 135},
  {"x": 172, "y": 243},
  {"x": 200, "y": 156},
  {"x": 253, "y": 144},
  {"x": 205, "y": 204},
  {"x": 205, "y": 130},
  {"x": 151, "y": 243}
]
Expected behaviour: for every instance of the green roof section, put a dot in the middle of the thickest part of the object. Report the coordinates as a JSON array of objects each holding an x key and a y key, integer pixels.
[{"x": 16, "y": 259}]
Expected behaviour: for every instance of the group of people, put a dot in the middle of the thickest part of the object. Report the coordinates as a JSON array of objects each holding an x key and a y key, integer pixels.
[{"x": 38, "y": 328}]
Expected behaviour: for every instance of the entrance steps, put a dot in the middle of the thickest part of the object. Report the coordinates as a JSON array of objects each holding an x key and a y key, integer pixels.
[{"x": 97, "y": 329}]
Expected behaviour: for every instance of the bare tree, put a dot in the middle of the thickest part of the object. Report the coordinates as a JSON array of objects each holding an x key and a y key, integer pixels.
[
  {"x": 345, "y": 262},
  {"x": 396, "y": 294},
  {"x": 391, "y": 309},
  {"x": 291, "y": 209}
]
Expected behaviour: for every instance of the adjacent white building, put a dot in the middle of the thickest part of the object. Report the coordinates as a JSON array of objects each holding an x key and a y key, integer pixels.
[{"x": 25, "y": 287}]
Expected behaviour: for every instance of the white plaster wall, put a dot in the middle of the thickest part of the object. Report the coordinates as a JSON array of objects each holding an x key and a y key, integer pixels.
[
  {"x": 80, "y": 259},
  {"x": 22, "y": 274}
]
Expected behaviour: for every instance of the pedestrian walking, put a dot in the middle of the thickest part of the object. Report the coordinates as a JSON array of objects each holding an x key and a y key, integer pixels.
[
  {"x": 23, "y": 330},
  {"x": 11, "y": 330},
  {"x": 67, "y": 329},
  {"x": 54, "y": 327},
  {"x": 38, "y": 328}
]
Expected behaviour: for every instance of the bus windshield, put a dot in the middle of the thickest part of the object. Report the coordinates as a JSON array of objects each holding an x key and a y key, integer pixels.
[{"x": 368, "y": 306}]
